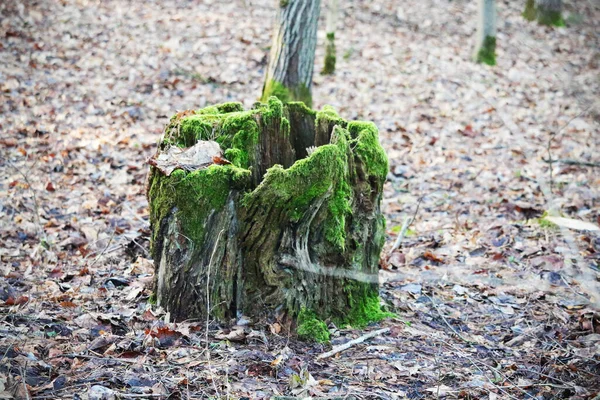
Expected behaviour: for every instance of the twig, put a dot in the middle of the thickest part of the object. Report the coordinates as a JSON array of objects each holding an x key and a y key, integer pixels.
[
  {"x": 89, "y": 357},
  {"x": 103, "y": 250},
  {"x": 405, "y": 225},
  {"x": 469, "y": 342},
  {"x": 208, "y": 307},
  {"x": 36, "y": 205},
  {"x": 345, "y": 346},
  {"x": 551, "y": 138},
  {"x": 572, "y": 162},
  {"x": 23, "y": 381}
]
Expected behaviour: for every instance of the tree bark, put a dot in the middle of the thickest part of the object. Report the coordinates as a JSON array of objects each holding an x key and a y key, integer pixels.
[
  {"x": 291, "y": 61},
  {"x": 549, "y": 12},
  {"x": 485, "y": 50},
  {"x": 330, "y": 56},
  {"x": 274, "y": 227}
]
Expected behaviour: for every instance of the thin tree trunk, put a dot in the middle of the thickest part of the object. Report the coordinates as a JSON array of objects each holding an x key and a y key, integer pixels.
[
  {"x": 330, "y": 56},
  {"x": 549, "y": 12},
  {"x": 485, "y": 50},
  {"x": 529, "y": 13},
  {"x": 291, "y": 61}
]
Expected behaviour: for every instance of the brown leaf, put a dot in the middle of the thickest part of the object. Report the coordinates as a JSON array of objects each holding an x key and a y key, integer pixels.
[
  {"x": 428, "y": 255},
  {"x": 9, "y": 142},
  {"x": 11, "y": 301}
]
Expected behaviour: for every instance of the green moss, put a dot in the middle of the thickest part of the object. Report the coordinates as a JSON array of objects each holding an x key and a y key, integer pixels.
[
  {"x": 193, "y": 196},
  {"x": 310, "y": 327},
  {"x": 300, "y": 107},
  {"x": 230, "y": 107},
  {"x": 487, "y": 52},
  {"x": 210, "y": 110},
  {"x": 192, "y": 129},
  {"x": 283, "y": 3},
  {"x": 152, "y": 299},
  {"x": 294, "y": 189},
  {"x": 287, "y": 94},
  {"x": 330, "y": 54},
  {"x": 529, "y": 13},
  {"x": 366, "y": 146},
  {"x": 364, "y": 306}
]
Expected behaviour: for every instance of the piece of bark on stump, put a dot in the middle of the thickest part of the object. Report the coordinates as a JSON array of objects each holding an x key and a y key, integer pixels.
[{"x": 273, "y": 226}]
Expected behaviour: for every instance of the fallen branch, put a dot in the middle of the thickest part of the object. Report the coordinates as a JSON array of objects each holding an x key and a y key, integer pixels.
[
  {"x": 345, "y": 346},
  {"x": 572, "y": 162},
  {"x": 407, "y": 222}
]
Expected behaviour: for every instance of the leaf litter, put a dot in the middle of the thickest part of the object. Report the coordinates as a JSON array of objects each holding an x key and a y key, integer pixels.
[{"x": 493, "y": 283}]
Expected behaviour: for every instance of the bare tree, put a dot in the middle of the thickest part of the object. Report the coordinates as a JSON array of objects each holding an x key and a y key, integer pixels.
[
  {"x": 485, "y": 50},
  {"x": 291, "y": 61}
]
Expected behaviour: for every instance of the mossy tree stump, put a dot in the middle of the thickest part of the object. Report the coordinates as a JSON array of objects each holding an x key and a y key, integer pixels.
[{"x": 273, "y": 227}]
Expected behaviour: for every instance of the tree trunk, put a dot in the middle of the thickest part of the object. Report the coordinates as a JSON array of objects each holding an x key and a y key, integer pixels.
[
  {"x": 273, "y": 226},
  {"x": 332, "y": 14},
  {"x": 292, "y": 57},
  {"x": 485, "y": 50},
  {"x": 549, "y": 12},
  {"x": 530, "y": 12}
]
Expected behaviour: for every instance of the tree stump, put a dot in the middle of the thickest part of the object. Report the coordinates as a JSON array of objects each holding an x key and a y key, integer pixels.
[{"x": 280, "y": 219}]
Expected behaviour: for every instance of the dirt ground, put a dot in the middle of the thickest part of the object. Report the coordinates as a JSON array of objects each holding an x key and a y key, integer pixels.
[{"x": 492, "y": 300}]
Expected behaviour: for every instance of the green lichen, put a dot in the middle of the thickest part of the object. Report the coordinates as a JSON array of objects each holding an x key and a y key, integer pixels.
[
  {"x": 152, "y": 299},
  {"x": 283, "y": 3},
  {"x": 310, "y": 327},
  {"x": 330, "y": 54},
  {"x": 487, "y": 52},
  {"x": 287, "y": 94}
]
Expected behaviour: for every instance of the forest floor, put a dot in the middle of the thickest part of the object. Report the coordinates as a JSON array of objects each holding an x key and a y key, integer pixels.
[{"x": 492, "y": 300}]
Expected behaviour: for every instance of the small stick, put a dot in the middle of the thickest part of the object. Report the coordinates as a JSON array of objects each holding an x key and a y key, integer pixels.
[
  {"x": 572, "y": 162},
  {"x": 345, "y": 346},
  {"x": 405, "y": 225}
]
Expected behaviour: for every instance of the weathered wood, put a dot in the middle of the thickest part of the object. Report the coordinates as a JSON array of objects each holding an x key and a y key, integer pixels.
[{"x": 278, "y": 231}]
